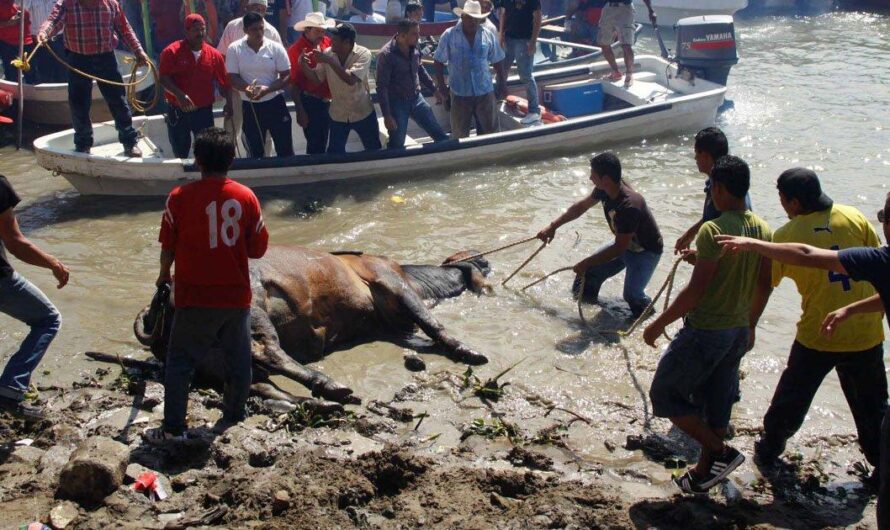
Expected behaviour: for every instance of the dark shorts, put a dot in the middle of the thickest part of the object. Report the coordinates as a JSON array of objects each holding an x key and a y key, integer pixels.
[{"x": 698, "y": 375}]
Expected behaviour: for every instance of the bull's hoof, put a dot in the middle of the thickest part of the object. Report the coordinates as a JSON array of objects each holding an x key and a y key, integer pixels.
[
  {"x": 470, "y": 357},
  {"x": 414, "y": 363},
  {"x": 335, "y": 392},
  {"x": 324, "y": 408}
]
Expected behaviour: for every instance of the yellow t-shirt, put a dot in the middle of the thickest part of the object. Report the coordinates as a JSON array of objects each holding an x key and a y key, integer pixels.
[{"x": 821, "y": 291}]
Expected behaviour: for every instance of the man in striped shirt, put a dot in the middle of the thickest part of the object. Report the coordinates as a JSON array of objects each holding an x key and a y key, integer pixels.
[{"x": 90, "y": 30}]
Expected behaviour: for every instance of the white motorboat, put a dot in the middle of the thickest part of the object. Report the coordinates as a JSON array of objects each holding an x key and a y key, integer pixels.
[{"x": 658, "y": 102}]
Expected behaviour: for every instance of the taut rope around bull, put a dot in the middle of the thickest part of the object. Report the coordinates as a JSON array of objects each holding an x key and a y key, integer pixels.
[{"x": 498, "y": 249}]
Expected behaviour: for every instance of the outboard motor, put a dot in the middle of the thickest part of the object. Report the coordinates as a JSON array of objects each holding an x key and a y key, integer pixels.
[{"x": 706, "y": 47}]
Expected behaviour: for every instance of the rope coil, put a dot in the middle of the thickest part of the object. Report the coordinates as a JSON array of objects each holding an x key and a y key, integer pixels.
[{"x": 23, "y": 63}]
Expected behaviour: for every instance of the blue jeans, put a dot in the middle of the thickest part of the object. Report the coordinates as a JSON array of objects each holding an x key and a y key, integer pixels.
[
  {"x": 419, "y": 111},
  {"x": 23, "y": 301},
  {"x": 195, "y": 332},
  {"x": 182, "y": 125},
  {"x": 639, "y": 265},
  {"x": 698, "y": 375},
  {"x": 517, "y": 49},
  {"x": 429, "y": 9},
  {"x": 367, "y": 131},
  {"x": 80, "y": 98}
]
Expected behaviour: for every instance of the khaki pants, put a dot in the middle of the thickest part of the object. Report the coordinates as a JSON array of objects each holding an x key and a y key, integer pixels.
[{"x": 464, "y": 108}]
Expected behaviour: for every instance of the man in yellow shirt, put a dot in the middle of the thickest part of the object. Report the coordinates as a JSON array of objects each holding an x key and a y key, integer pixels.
[{"x": 855, "y": 350}]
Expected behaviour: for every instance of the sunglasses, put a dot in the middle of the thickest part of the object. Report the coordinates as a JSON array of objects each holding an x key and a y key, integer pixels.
[{"x": 882, "y": 217}]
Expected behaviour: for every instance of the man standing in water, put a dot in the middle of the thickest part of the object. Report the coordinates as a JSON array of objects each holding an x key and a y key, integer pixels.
[
  {"x": 867, "y": 264},
  {"x": 855, "y": 351},
  {"x": 212, "y": 291},
  {"x": 637, "y": 246},
  {"x": 710, "y": 145},
  {"x": 91, "y": 29},
  {"x": 23, "y": 301},
  {"x": 703, "y": 358}
]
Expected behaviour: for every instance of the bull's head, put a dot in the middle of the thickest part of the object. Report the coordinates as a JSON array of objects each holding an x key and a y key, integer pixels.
[
  {"x": 152, "y": 325},
  {"x": 475, "y": 268}
]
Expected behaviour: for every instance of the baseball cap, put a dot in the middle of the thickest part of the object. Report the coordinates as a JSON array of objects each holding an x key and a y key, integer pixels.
[
  {"x": 344, "y": 30},
  {"x": 803, "y": 184}
]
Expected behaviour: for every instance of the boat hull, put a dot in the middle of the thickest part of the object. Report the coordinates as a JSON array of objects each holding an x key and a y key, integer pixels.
[
  {"x": 115, "y": 175},
  {"x": 670, "y": 11},
  {"x": 47, "y": 103}
]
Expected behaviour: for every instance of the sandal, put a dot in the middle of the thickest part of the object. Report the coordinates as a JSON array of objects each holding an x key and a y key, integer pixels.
[{"x": 158, "y": 436}]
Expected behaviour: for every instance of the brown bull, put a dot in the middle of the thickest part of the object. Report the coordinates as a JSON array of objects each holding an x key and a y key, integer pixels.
[{"x": 308, "y": 303}]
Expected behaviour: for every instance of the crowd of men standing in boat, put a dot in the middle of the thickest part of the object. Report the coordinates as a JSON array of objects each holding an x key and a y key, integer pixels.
[{"x": 325, "y": 72}]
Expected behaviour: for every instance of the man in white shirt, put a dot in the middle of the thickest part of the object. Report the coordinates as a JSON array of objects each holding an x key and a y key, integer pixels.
[
  {"x": 234, "y": 31},
  {"x": 258, "y": 68},
  {"x": 290, "y": 13},
  {"x": 345, "y": 68}
]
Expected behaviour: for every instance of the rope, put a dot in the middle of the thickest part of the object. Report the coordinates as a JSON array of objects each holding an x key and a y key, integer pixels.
[
  {"x": 524, "y": 263},
  {"x": 539, "y": 280},
  {"x": 24, "y": 64},
  {"x": 492, "y": 251},
  {"x": 667, "y": 285}
]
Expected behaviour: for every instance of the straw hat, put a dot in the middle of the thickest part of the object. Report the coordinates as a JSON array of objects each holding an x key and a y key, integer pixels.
[
  {"x": 471, "y": 8},
  {"x": 314, "y": 20}
]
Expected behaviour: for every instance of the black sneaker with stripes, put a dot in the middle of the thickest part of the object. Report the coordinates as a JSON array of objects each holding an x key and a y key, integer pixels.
[{"x": 722, "y": 466}]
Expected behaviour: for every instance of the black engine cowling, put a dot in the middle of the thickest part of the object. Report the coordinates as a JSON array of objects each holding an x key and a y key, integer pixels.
[{"x": 706, "y": 47}]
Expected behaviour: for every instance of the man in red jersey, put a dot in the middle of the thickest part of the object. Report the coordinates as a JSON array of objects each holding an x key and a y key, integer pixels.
[
  {"x": 209, "y": 229},
  {"x": 188, "y": 70}
]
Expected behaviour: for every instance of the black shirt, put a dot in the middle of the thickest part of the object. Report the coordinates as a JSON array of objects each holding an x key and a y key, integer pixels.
[
  {"x": 629, "y": 214},
  {"x": 871, "y": 265},
  {"x": 8, "y": 199},
  {"x": 519, "y": 17}
]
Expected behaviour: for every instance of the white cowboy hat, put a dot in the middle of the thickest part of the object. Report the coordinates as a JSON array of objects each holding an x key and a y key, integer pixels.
[
  {"x": 471, "y": 8},
  {"x": 314, "y": 20}
]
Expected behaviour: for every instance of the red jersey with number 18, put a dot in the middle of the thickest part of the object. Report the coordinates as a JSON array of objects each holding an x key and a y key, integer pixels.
[{"x": 213, "y": 226}]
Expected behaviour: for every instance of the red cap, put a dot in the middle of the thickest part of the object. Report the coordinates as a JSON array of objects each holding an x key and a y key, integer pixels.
[
  {"x": 193, "y": 19},
  {"x": 4, "y": 119}
]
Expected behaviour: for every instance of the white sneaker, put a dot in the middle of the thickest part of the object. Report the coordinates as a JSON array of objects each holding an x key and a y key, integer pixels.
[{"x": 531, "y": 117}]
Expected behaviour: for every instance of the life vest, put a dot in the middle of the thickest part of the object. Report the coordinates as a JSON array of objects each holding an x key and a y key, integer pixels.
[{"x": 521, "y": 105}]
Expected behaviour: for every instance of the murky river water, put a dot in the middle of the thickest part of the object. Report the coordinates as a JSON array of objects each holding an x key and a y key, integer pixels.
[{"x": 808, "y": 91}]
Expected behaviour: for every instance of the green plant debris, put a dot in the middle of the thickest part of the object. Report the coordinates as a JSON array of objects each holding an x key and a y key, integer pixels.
[{"x": 497, "y": 428}]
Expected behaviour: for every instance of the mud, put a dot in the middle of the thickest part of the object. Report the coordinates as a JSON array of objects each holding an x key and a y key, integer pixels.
[{"x": 377, "y": 467}]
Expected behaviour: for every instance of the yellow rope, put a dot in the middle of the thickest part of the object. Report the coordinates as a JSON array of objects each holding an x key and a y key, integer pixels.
[{"x": 24, "y": 63}]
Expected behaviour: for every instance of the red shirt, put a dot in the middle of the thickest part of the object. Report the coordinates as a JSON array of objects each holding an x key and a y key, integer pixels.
[
  {"x": 195, "y": 78},
  {"x": 90, "y": 30},
  {"x": 297, "y": 77},
  {"x": 213, "y": 226},
  {"x": 10, "y": 34}
]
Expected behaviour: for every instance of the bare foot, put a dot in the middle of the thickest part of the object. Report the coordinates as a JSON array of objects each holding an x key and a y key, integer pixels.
[{"x": 614, "y": 76}]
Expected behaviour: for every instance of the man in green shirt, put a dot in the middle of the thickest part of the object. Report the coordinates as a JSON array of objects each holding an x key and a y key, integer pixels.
[{"x": 697, "y": 381}]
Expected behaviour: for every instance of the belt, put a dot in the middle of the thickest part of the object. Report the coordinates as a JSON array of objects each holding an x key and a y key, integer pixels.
[{"x": 613, "y": 4}]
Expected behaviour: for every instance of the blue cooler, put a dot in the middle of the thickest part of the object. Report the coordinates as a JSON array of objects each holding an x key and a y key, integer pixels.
[{"x": 574, "y": 99}]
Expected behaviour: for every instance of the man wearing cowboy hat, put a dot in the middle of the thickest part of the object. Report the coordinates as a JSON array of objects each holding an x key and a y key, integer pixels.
[
  {"x": 312, "y": 100},
  {"x": 468, "y": 48},
  {"x": 188, "y": 69}
]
